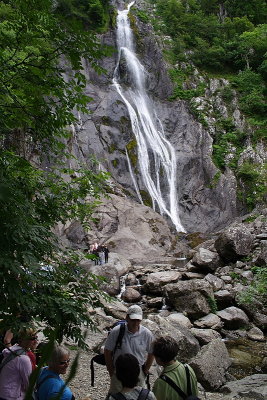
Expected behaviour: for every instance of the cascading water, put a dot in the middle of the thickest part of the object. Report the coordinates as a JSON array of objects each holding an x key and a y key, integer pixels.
[{"x": 156, "y": 156}]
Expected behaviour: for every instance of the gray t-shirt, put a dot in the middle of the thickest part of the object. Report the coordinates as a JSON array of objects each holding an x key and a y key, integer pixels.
[
  {"x": 139, "y": 344},
  {"x": 133, "y": 394}
]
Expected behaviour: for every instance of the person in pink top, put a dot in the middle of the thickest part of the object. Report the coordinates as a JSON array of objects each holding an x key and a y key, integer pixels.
[{"x": 15, "y": 373}]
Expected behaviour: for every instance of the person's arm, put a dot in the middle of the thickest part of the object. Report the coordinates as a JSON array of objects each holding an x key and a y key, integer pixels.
[
  {"x": 7, "y": 338},
  {"x": 148, "y": 363},
  {"x": 109, "y": 361}
]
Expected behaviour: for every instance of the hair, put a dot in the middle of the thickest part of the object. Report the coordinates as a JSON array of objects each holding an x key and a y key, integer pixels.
[
  {"x": 57, "y": 353},
  {"x": 25, "y": 333},
  {"x": 127, "y": 370},
  {"x": 165, "y": 348}
]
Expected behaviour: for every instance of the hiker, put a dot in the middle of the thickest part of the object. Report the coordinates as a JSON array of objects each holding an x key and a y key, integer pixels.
[
  {"x": 106, "y": 251},
  {"x": 137, "y": 340},
  {"x": 49, "y": 383},
  {"x": 17, "y": 366},
  {"x": 101, "y": 255},
  {"x": 127, "y": 371},
  {"x": 165, "y": 350}
]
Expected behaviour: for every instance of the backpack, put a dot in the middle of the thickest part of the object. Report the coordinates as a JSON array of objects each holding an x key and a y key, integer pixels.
[
  {"x": 37, "y": 386},
  {"x": 100, "y": 358},
  {"x": 11, "y": 356},
  {"x": 142, "y": 395},
  {"x": 182, "y": 394}
]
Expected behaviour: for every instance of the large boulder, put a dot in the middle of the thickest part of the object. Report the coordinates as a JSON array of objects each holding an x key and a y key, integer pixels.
[
  {"x": 210, "y": 364},
  {"x": 191, "y": 297},
  {"x": 233, "y": 318},
  {"x": 157, "y": 280},
  {"x": 188, "y": 344},
  {"x": 252, "y": 387},
  {"x": 234, "y": 243},
  {"x": 206, "y": 260}
]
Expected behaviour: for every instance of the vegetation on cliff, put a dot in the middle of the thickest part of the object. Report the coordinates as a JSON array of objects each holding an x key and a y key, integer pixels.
[{"x": 225, "y": 40}]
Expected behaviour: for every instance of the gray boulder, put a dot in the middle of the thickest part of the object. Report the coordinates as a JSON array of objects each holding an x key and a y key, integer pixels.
[
  {"x": 233, "y": 318},
  {"x": 191, "y": 297},
  {"x": 210, "y": 365},
  {"x": 206, "y": 260},
  {"x": 188, "y": 344},
  {"x": 157, "y": 280},
  {"x": 253, "y": 387},
  {"x": 235, "y": 242}
]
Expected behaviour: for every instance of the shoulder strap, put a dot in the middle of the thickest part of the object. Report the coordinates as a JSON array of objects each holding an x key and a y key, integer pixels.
[
  {"x": 143, "y": 394},
  {"x": 118, "y": 396},
  {"x": 189, "y": 389},
  {"x": 119, "y": 338},
  {"x": 168, "y": 380},
  {"x": 11, "y": 356}
]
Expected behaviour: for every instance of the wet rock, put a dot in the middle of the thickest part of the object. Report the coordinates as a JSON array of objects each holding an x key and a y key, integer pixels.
[
  {"x": 131, "y": 295},
  {"x": 256, "y": 334}
]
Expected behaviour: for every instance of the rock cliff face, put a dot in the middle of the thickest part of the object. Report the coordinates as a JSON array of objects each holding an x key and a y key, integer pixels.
[{"x": 106, "y": 133}]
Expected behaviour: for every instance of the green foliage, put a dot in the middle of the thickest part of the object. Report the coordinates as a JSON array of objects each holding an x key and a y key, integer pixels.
[
  {"x": 256, "y": 292},
  {"x": 38, "y": 48},
  {"x": 142, "y": 15},
  {"x": 253, "y": 179},
  {"x": 31, "y": 202},
  {"x": 213, "y": 304}
]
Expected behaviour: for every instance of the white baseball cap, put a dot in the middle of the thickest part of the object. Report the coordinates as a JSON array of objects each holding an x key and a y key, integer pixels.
[{"x": 135, "y": 312}]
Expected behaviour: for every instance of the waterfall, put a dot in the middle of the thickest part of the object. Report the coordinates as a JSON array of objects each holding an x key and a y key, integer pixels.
[{"x": 156, "y": 156}]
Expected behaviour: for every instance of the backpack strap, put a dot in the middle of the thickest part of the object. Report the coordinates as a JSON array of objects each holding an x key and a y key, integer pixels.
[
  {"x": 189, "y": 389},
  {"x": 143, "y": 394},
  {"x": 118, "y": 396},
  {"x": 120, "y": 337},
  {"x": 11, "y": 356},
  {"x": 168, "y": 380},
  {"x": 99, "y": 359}
]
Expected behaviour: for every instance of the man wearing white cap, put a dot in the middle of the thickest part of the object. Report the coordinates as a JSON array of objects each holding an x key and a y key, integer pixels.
[{"x": 137, "y": 340}]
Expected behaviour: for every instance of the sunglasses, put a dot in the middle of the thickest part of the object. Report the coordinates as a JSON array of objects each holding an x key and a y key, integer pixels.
[
  {"x": 64, "y": 362},
  {"x": 33, "y": 338}
]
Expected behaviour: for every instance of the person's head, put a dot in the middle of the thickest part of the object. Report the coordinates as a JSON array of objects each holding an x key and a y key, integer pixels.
[
  {"x": 27, "y": 338},
  {"x": 59, "y": 359},
  {"x": 127, "y": 370},
  {"x": 165, "y": 349},
  {"x": 134, "y": 317}
]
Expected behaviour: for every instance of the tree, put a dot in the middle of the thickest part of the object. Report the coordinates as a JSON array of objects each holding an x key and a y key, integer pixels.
[{"x": 40, "y": 280}]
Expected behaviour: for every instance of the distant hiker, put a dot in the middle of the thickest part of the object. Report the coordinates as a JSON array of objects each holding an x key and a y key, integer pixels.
[
  {"x": 101, "y": 254},
  {"x": 127, "y": 372},
  {"x": 177, "y": 381},
  {"x": 95, "y": 253},
  {"x": 106, "y": 251},
  {"x": 137, "y": 340}
]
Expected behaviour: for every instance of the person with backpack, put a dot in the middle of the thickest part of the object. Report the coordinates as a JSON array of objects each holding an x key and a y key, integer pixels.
[
  {"x": 136, "y": 340},
  {"x": 177, "y": 381},
  {"x": 49, "y": 383},
  {"x": 16, "y": 366},
  {"x": 127, "y": 371}
]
